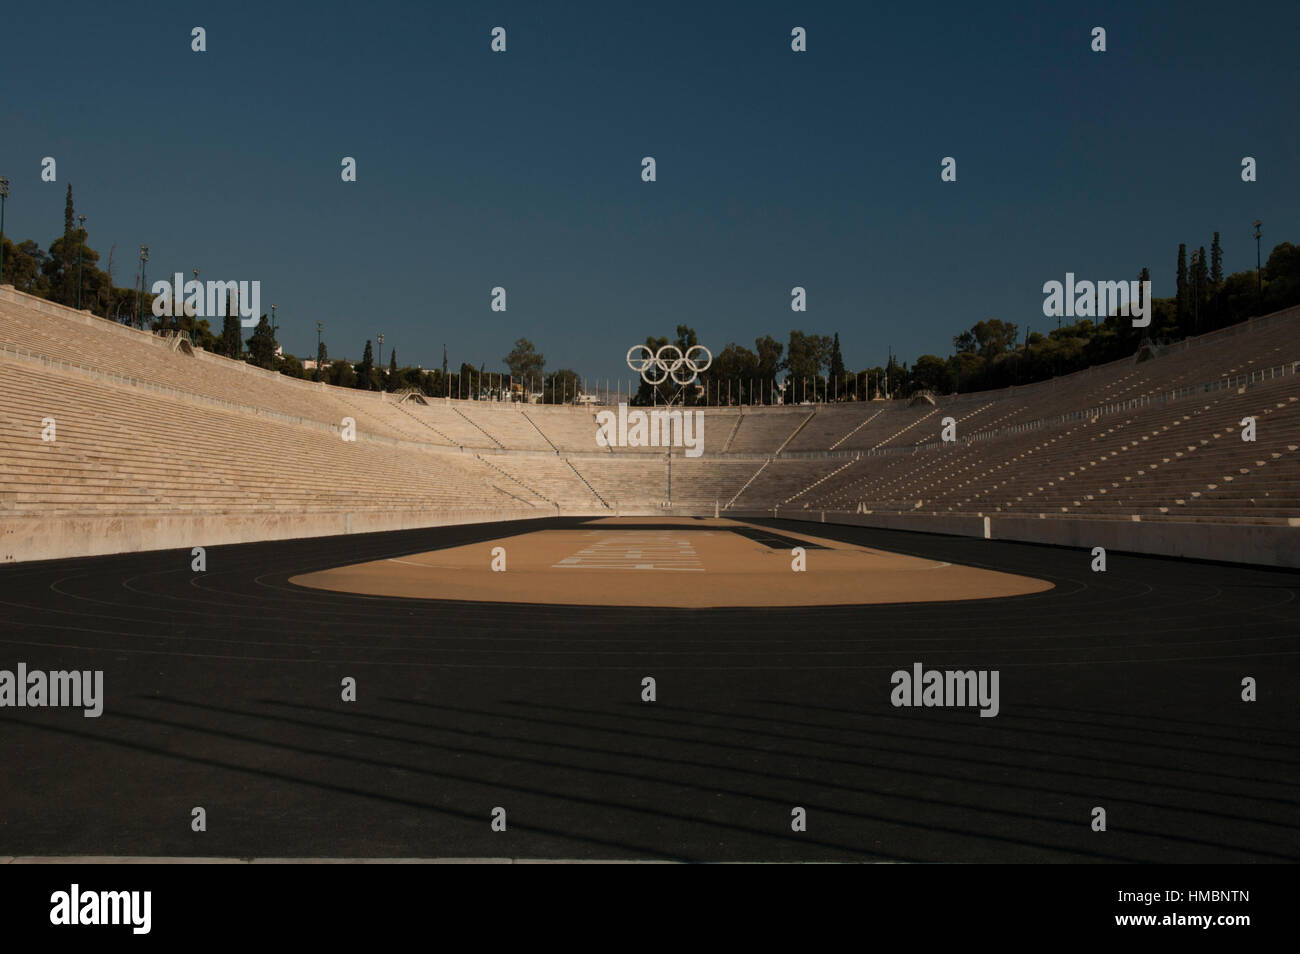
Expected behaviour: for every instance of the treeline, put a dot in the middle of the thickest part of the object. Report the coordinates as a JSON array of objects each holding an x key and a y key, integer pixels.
[
  {"x": 996, "y": 354},
  {"x": 807, "y": 367},
  {"x": 991, "y": 353},
  {"x": 68, "y": 273}
]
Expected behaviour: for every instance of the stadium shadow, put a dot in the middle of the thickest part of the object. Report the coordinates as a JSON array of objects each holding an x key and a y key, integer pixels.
[
  {"x": 912, "y": 753},
  {"x": 325, "y": 787},
  {"x": 931, "y": 720},
  {"x": 962, "y": 745},
  {"x": 487, "y": 780}
]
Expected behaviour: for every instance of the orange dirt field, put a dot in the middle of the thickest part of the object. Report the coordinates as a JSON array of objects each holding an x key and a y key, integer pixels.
[{"x": 685, "y": 563}]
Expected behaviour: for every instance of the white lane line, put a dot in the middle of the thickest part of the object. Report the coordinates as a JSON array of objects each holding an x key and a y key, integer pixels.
[{"x": 636, "y": 550}]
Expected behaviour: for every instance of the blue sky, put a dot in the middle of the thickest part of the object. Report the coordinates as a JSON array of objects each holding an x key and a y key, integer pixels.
[{"x": 775, "y": 168}]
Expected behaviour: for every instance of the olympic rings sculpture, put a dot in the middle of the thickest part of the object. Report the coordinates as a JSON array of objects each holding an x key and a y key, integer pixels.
[{"x": 656, "y": 367}]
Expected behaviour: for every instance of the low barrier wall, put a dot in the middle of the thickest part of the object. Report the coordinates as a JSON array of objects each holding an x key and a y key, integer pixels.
[
  {"x": 24, "y": 538},
  {"x": 34, "y": 537},
  {"x": 1266, "y": 545}
]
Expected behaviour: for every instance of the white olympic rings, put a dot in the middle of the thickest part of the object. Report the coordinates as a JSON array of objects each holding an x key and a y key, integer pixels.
[{"x": 656, "y": 367}]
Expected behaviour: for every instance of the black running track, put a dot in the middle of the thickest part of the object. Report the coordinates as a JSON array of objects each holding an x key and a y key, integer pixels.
[{"x": 1119, "y": 690}]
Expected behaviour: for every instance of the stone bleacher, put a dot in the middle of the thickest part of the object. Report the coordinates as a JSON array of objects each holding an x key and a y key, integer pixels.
[
  {"x": 145, "y": 430},
  {"x": 118, "y": 449}
]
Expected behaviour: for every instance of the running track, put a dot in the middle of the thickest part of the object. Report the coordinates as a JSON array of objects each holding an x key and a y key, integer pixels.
[{"x": 1119, "y": 690}]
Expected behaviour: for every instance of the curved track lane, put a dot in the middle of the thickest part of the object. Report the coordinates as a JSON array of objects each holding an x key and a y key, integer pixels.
[{"x": 1119, "y": 690}]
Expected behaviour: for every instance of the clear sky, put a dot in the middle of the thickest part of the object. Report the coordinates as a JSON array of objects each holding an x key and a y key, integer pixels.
[{"x": 775, "y": 168}]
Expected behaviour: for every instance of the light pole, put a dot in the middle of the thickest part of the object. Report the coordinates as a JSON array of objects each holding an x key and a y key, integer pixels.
[
  {"x": 319, "y": 328},
  {"x": 380, "y": 338},
  {"x": 4, "y": 194},
  {"x": 81, "y": 243},
  {"x": 144, "y": 281},
  {"x": 134, "y": 304},
  {"x": 1259, "y": 272}
]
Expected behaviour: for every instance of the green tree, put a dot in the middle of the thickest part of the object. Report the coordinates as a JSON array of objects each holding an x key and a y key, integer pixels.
[
  {"x": 229, "y": 343},
  {"x": 366, "y": 369},
  {"x": 769, "y": 352},
  {"x": 261, "y": 346},
  {"x": 895, "y": 377},
  {"x": 290, "y": 366},
  {"x": 560, "y": 387},
  {"x": 524, "y": 361},
  {"x": 1180, "y": 294},
  {"x": 467, "y": 381},
  {"x": 931, "y": 373},
  {"x": 1282, "y": 277},
  {"x": 805, "y": 358},
  {"x": 342, "y": 374},
  {"x": 967, "y": 368},
  {"x": 686, "y": 338},
  {"x": 837, "y": 367},
  {"x": 25, "y": 268},
  {"x": 198, "y": 331},
  {"x": 645, "y": 392},
  {"x": 989, "y": 339},
  {"x": 1200, "y": 289},
  {"x": 60, "y": 266},
  {"x": 67, "y": 292},
  {"x": 734, "y": 372}
]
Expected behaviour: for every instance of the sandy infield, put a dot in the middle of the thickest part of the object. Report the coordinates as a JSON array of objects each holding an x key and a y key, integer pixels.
[{"x": 631, "y": 561}]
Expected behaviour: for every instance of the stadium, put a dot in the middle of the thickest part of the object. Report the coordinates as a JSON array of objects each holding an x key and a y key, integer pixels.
[
  {"x": 360, "y": 624},
  {"x": 558, "y": 433}
]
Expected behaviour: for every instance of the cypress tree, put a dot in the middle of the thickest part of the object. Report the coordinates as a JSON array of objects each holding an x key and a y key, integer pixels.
[
  {"x": 366, "y": 372},
  {"x": 837, "y": 366},
  {"x": 230, "y": 337},
  {"x": 1180, "y": 295},
  {"x": 1216, "y": 275},
  {"x": 261, "y": 347},
  {"x": 229, "y": 344},
  {"x": 1201, "y": 273},
  {"x": 67, "y": 257}
]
